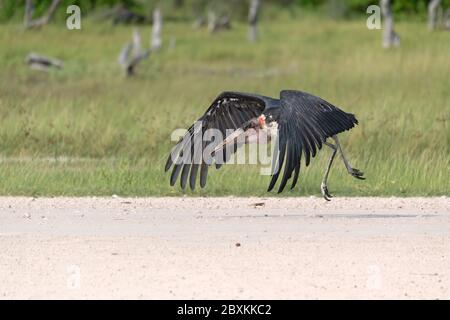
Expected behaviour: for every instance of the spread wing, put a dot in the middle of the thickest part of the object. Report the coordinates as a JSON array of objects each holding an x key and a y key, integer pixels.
[
  {"x": 230, "y": 110},
  {"x": 305, "y": 122}
]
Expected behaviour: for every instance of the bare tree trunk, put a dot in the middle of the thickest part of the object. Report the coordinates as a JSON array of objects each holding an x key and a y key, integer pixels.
[
  {"x": 137, "y": 48},
  {"x": 253, "y": 20},
  {"x": 130, "y": 69},
  {"x": 433, "y": 7},
  {"x": 199, "y": 21},
  {"x": 29, "y": 9},
  {"x": 390, "y": 37},
  {"x": 156, "y": 41},
  {"x": 198, "y": 11},
  {"x": 37, "y": 23},
  {"x": 446, "y": 19},
  {"x": 212, "y": 21},
  {"x": 216, "y": 23},
  {"x": 124, "y": 54},
  {"x": 132, "y": 53}
]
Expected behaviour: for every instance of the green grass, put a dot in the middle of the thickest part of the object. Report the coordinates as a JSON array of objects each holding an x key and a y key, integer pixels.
[{"x": 116, "y": 131}]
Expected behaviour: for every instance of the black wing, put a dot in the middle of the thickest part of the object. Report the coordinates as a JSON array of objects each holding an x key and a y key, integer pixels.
[
  {"x": 230, "y": 110},
  {"x": 304, "y": 123}
]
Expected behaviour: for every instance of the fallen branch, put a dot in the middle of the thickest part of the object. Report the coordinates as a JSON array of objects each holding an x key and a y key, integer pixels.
[{"x": 42, "y": 63}]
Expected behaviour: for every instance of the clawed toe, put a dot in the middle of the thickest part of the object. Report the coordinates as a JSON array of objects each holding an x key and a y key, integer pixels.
[
  {"x": 357, "y": 174},
  {"x": 325, "y": 193}
]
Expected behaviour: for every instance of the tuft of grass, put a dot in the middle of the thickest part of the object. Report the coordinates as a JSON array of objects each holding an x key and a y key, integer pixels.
[{"x": 87, "y": 130}]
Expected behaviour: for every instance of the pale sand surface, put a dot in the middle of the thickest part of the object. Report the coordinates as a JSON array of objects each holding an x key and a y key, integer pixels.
[{"x": 188, "y": 248}]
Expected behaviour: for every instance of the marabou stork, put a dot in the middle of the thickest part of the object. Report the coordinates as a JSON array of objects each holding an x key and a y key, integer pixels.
[{"x": 302, "y": 122}]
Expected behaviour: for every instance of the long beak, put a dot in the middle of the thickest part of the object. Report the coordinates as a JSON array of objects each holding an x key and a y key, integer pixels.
[
  {"x": 236, "y": 134},
  {"x": 230, "y": 139}
]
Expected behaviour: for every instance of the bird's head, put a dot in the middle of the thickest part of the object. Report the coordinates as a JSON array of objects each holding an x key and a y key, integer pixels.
[{"x": 262, "y": 121}]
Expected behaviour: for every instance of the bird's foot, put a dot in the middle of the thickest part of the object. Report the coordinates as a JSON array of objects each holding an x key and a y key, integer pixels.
[
  {"x": 325, "y": 193},
  {"x": 356, "y": 173}
]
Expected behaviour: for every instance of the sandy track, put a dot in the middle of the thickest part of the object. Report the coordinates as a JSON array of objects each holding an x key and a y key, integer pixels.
[{"x": 224, "y": 248}]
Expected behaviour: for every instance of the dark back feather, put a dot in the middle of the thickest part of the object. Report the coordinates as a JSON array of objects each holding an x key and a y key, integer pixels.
[{"x": 304, "y": 123}]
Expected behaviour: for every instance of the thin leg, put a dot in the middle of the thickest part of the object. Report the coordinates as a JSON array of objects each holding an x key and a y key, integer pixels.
[
  {"x": 354, "y": 172},
  {"x": 323, "y": 187}
]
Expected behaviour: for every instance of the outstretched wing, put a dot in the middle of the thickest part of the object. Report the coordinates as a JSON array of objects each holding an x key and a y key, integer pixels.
[
  {"x": 304, "y": 123},
  {"x": 230, "y": 110}
]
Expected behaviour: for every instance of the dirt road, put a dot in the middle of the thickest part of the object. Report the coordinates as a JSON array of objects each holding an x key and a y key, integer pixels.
[{"x": 224, "y": 248}]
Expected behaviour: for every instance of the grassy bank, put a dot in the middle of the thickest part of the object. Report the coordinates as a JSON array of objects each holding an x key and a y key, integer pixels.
[{"x": 86, "y": 130}]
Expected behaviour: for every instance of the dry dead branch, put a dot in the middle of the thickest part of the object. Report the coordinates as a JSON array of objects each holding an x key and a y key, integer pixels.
[
  {"x": 29, "y": 23},
  {"x": 132, "y": 54},
  {"x": 216, "y": 23},
  {"x": 42, "y": 63}
]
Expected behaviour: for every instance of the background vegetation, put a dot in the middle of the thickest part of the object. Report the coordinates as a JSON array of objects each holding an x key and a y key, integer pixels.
[
  {"x": 89, "y": 130},
  {"x": 13, "y": 9}
]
